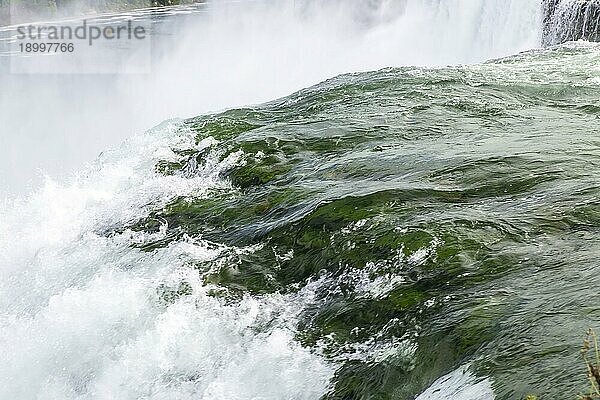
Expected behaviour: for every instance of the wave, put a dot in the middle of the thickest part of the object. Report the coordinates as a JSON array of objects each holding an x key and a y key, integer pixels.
[{"x": 363, "y": 237}]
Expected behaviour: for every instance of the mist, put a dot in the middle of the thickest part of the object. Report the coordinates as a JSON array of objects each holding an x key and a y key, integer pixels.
[{"x": 225, "y": 54}]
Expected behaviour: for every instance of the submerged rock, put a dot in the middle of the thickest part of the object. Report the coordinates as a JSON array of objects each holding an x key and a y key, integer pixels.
[{"x": 570, "y": 20}]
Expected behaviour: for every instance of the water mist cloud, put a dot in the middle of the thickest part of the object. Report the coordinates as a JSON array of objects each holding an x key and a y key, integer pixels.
[{"x": 228, "y": 54}]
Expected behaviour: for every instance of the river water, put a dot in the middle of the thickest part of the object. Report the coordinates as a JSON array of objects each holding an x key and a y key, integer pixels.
[{"x": 422, "y": 224}]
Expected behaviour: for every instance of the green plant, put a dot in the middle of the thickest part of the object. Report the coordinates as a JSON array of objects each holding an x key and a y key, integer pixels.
[{"x": 590, "y": 344}]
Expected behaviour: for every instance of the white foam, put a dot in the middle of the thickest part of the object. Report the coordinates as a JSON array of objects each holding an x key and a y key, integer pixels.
[
  {"x": 81, "y": 316},
  {"x": 459, "y": 384}
]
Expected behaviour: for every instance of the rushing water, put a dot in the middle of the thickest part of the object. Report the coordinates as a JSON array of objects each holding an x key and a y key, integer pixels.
[{"x": 413, "y": 232}]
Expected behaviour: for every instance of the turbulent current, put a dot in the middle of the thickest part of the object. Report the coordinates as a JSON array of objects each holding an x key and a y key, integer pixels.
[{"x": 407, "y": 233}]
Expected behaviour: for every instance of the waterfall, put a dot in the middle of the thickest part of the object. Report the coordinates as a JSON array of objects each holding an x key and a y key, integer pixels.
[{"x": 570, "y": 20}]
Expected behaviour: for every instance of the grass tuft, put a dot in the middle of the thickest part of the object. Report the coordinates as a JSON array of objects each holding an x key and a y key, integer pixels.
[{"x": 591, "y": 357}]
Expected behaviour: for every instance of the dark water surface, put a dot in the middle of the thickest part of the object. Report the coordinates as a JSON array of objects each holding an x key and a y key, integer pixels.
[{"x": 450, "y": 216}]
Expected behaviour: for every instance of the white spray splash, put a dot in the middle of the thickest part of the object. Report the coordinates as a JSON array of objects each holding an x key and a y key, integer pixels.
[{"x": 81, "y": 317}]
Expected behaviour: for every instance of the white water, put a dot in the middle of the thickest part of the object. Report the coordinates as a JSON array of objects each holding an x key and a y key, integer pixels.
[
  {"x": 459, "y": 385},
  {"x": 81, "y": 318},
  {"x": 79, "y": 314}
]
